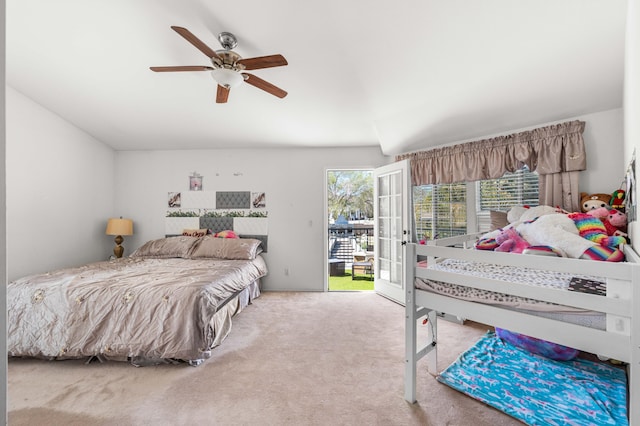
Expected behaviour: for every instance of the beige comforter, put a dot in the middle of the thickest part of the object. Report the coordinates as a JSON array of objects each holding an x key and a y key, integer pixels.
[{"x": 132, "y": 308}]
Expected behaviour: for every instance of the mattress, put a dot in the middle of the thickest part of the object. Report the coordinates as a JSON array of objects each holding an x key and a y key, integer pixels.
[{"x": 521, "y": 275}]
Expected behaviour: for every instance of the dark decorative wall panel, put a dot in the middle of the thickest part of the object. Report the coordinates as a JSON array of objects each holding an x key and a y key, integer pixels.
[
  {"x": 233, "y": 200},
  {"x": 216, "y": 224}
]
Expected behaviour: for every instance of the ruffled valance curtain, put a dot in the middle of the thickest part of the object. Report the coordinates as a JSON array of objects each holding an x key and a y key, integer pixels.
[{"x": 556, "y": 151}]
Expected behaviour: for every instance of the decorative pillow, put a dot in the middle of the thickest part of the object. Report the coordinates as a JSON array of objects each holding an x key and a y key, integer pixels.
[
  {"x": 194, "y": 232},
  {"x": 498, "y": 219},
  {"x": 226, "y": 234},
  {"x": 227, "y": 248},
  {"x": 538, "y": 346},
  {"x": 163, "y": 248}
]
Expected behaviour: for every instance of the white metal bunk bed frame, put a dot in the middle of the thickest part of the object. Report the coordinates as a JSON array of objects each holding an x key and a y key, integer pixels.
[{"x": 621, "y": 341}]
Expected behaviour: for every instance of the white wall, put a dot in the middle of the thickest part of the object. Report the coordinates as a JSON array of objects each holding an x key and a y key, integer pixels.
[
  {"x": 293, "y": 180},
  {"x": 604, "y": 142},
  {"x": 60, "y": 186}
]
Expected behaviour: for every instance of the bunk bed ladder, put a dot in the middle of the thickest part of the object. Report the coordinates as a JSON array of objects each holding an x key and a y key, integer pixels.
[{"x": 412, "y": 314}]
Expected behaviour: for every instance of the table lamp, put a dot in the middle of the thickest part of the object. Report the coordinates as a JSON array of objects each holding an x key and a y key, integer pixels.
[{"x": 119, "y": 227}]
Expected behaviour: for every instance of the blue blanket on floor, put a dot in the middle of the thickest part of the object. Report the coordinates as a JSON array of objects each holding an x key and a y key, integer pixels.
[{"x": 538, "y": 390}]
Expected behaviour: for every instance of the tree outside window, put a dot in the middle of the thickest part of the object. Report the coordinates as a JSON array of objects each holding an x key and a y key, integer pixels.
[{"x": 350, "y": 194}]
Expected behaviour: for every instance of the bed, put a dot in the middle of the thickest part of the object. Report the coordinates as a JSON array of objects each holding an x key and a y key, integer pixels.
[
  {"x": 172, "y": 300},
  {"x": 613, "y": 333}
]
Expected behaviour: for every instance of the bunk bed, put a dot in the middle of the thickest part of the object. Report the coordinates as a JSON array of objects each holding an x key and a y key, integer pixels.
[{"x": 617, "y": 338}]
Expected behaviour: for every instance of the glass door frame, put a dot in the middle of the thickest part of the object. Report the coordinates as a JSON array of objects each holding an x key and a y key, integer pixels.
[{"x": 392, "y": 227}]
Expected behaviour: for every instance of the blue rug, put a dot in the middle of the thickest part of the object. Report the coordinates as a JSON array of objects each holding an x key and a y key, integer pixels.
[{"x": 538, "y": 390}]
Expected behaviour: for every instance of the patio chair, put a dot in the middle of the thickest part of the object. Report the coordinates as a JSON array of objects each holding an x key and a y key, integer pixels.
[{"x": 365, "y": 267}]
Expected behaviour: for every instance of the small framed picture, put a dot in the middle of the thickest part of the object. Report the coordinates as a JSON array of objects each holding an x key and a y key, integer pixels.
[
  {"x": 195, "y": 182},
  {"x": 631, "y": 203},
  {"x": 258, "y": 200},
  {"x": 174, "y": 199}
]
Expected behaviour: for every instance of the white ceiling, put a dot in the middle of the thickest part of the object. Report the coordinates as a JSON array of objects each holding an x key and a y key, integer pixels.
[{"x": 404, "y": 75}]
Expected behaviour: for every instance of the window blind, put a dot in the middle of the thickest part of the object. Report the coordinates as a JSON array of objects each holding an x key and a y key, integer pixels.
[
  {"x": 440, "y": 211},
  {"x": 517, "y": 188}
]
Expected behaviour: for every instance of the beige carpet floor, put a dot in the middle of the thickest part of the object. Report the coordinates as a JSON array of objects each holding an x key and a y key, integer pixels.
[{"x": 291, "y": 359}]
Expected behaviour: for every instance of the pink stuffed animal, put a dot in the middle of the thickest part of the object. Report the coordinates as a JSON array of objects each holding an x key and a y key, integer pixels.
[
  {"x": 615, "y": 222},
  {"x": 510, "y": 241},
  {"x": 593, "y": 229}
]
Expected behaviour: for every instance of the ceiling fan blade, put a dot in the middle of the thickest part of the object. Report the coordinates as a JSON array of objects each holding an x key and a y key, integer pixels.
[
  {"x": 222, "y": 95},
  {"x": 264, "y": 85},
  {"x": 188, "y": 35},
  {"x": 181, "y": 68},
  {"x": 263, "y": 62}
]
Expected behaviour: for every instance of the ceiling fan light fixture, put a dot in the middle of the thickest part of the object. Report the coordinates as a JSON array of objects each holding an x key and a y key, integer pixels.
[
  {"x": 227, "y": 66},
  {"x": 227, "y": 78}
]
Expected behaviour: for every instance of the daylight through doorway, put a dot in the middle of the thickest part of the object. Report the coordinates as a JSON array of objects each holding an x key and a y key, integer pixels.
[{"x": 350, "y": 230}]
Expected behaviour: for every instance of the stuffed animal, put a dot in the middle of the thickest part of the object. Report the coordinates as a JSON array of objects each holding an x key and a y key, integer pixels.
[
  {"x": 560, "y": 232},
  {"x": 614, "y": 221},
  {"x": 511, "y": 242},
  {"x": 515, "y": 213},
  {"x": 618, "y": 220},
  {"x": 593, "y": 201},
  {"x": 551, "y": 227},
  {"x": 601, "y": 212},
  {"x": 519, "y": 214},
  {"x": 555, "y": 230},
  {"x": 593, "y": 229},
  {"x": 617, "y": 199}
]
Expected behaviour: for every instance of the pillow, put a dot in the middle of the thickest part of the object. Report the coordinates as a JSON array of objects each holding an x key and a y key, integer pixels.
[
  {"x": 194, "y": 232},
  {"x": 226, "y": 234},
  {"x": 227, "y": 248},
  {"x": 538, "y": 346},
  {"x": 164, "y": 248},
  {"x": 498, "y": 219}
]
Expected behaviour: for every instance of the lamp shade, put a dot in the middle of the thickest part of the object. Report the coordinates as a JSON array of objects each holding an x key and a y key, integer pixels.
[
  {"x": 226, "y": 77},
  {"x": 119, "y": 227}
]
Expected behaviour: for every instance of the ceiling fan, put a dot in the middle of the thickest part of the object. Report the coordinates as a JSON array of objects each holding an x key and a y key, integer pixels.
[{"x": 227, "y": 66}]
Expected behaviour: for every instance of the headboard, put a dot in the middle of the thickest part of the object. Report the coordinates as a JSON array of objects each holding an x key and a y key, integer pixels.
[{"x": 210, "y": 210}]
